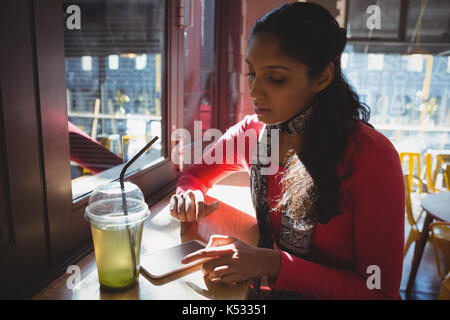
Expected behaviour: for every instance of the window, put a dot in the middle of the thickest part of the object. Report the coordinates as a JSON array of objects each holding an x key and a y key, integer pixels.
[
  {"x": 58, "y": 77},
  {"x": 375, "y": 62},
  {"x": 344, "y": 60},
  {"x": 382, "y": 16},
  {"x": 409, "y": 97},
  {"x": 406, "y": 84},
  {"x": 415, "y": 63},
  {"x": 200, "y": 77},
  {"x": 434, "y": 23},
  {"x": 114, "y": 73}
]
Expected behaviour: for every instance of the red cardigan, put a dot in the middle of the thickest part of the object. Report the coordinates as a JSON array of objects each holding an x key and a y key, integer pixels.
[{"x": 370, "y": 232}]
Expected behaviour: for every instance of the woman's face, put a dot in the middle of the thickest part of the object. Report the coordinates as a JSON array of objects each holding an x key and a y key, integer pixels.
[{"x": 279, "y": 86}]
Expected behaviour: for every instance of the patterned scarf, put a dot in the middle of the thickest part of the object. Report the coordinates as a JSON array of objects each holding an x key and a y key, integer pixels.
[{"x": 294, "y": 236}]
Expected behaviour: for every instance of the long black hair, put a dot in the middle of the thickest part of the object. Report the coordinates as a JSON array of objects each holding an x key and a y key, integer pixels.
[{"x": 308, "y": 33}]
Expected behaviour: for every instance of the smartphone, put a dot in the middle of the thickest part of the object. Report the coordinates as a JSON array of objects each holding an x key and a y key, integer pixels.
[{"x": 168, "y": 261}]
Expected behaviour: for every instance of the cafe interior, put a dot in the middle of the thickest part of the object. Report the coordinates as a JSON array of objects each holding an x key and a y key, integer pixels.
[{"x": 102, "y": 99}]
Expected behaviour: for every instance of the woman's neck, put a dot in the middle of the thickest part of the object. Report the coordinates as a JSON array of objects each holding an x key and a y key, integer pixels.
[
  {"x": 290, "y": 140},
  {"x": 288, "y": 143}
]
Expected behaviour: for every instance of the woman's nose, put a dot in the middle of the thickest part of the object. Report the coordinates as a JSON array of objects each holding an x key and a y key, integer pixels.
[{"x": 255, "y": 89}]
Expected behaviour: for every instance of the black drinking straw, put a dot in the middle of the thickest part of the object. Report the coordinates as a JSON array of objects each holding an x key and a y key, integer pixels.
[{"x": 124, "y": 200}]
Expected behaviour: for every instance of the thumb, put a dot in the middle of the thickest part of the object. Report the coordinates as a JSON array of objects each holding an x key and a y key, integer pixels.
[{"x": 206, "y": 209}]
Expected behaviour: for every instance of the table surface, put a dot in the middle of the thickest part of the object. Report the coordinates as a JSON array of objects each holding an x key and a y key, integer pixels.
[
  {"x": 438, "y": 204},
  {"x": 235, "y": 217}
]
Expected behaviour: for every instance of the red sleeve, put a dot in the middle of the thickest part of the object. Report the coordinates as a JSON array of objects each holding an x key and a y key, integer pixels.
[
  {"x": 378, "y": 228},
  {"x": 89, "y": 153},
  {"x": 231, "y": 153}
]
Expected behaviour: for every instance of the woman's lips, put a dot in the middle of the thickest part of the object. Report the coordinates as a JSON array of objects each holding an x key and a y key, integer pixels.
[{"x": 261, "y": 111}]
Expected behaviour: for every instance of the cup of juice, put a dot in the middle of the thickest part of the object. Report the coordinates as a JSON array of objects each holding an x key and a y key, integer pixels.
[{"x": 117, "y": 221}]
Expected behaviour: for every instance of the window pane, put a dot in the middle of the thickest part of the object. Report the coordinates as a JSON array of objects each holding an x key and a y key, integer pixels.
[
  {"x": 373, "y": 19},
  {"x": 200, "y": 72},
  {"x": 434, "y": 24},
  {"x": 409, "y": 96},
  {"x": 114, "y": 72}
]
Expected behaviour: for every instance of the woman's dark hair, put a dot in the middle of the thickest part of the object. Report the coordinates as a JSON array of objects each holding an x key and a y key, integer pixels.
[{"x": 308, "y": 33}]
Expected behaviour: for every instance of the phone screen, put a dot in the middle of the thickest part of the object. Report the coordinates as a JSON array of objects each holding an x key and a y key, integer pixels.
[{"x": 167, "y": 261}]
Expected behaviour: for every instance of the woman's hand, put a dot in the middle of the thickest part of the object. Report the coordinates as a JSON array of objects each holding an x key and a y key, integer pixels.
[
  {"x": 190, "y": 206},
  {"x": 234, "y": 261}
]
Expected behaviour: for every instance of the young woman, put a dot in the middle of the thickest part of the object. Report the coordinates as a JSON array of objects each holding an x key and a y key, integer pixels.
[{"x": 331, "y": 218}]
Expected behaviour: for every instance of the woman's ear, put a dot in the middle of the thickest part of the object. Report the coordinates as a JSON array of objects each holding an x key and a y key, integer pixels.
[{"x": 324, "y": 80}]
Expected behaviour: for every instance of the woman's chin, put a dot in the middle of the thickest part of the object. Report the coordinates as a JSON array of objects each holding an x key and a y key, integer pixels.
[{"x": 265, "y": 119}]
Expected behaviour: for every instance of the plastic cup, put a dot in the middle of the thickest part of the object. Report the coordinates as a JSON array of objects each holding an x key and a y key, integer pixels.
[{"x": 117, "y": 237}]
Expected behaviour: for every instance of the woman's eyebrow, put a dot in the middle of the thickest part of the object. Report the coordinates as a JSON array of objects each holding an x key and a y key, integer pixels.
[{"x": 272, "y": 66}]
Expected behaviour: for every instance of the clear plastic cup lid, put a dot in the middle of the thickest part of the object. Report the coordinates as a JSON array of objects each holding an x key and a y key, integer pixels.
[{"x": 106, "y": 205}]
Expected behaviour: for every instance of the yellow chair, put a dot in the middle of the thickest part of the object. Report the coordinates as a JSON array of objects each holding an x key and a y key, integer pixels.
[
  {"x": 414, "y": 233},
  {"x": 440, "y": 237},
  {"x": 429, "y": 176},
  {"x": 442, "y": 161},
  {"x": 411, "y": 157},
  {"x": 444, "y": 293}
]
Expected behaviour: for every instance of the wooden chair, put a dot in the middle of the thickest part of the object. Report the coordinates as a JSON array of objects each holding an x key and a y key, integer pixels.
[
  {"x": 431, "y": 173},
  {"x": 411, "y": 157},
  {"x": 444, "y": 293},
  {"x": 414, "y": 233},
  {"x": 443, "y": 161},
  {"x": 429, "y": 176},
  {"x": 440, "y": 237}
]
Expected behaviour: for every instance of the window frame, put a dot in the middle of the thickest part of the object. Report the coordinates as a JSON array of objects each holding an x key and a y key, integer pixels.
[
  {"x": 24, "y": 251},
  {"x": 67, "y": 229},
  {"x": 400, "y": 39},
  {"x": 401, "y": 30}
]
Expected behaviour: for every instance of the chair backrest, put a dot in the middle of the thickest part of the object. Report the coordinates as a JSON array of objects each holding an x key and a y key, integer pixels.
[
  {"x": 440, "y": 236},
  {"x": 432, "y": 173},
  {"x": 442, "y": 160},
  {"x": 408, "y": 204},
  {"x": 411, "y": 157},
  {"x": 429, "y": 176}
]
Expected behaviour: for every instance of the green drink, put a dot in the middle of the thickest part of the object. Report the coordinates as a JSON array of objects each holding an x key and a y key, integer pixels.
[
  {"x": 117, "y": 237},
  {"x": 113, "y": 256}
]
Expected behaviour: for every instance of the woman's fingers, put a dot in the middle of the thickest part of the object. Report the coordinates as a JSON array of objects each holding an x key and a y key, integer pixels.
[
  {"x": 220, "y": 271},
  {"x": 190, "y": 207},
  {"x": 210, "y": 265},
  {"x": 173, "y": 206},
  {"x": 223, "y": 274},
  {"x": 208, "y": 253},
  {"x": 181, "y": 207}
]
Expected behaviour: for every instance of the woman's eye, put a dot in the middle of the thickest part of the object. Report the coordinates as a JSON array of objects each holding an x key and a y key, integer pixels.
[
  {"x": 276, "y": 81},
  {"x": 280, "y": 81}
]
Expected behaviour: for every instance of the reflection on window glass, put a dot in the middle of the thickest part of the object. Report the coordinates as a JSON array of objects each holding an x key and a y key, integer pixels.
[
  {"x": 200, "y": 73},
  {"x": 433, "y": 23},
  {"x": 114, "y": 69},
  {"x": 375, "y": 62},
  {"x": 409, "y": 96},
  {"x": 381, "y": 16}
]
